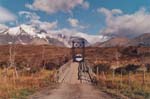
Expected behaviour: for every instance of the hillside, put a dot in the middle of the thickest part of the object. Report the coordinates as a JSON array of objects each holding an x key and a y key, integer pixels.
[
  {"x": 113, "y": 42},
  {"x": 34, "y": 55},
  {"x": 142, "y": 40}
]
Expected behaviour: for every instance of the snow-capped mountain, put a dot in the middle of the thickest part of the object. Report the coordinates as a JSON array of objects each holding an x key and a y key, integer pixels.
[
  {"x": 65, "y": 36},
  {"x": 25, "y": 34},
  {"x": 92, "y": 38}
]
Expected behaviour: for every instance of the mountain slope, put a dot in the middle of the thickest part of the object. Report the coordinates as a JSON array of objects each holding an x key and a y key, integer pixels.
[
  {"x": 113, "y": 42},
  {"x": 26, "y": 35},
  {"x": 39, "y": 41},
  {"x": 143, "y": 40}
]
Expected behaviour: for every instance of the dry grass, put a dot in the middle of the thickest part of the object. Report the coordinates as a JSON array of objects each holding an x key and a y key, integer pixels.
[
  {"x": 31, "y": 56},
  {"x": 18, "y": 88},
  {"x": 28, "y": 57},
  {"x": 132, "y": 87},
  {"x": 99, "y": 55}
]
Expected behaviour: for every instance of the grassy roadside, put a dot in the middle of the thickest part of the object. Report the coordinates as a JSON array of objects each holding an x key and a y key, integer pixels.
[
  {"x": 25, "y": 85},
  {"x": 120, "y": 87}
]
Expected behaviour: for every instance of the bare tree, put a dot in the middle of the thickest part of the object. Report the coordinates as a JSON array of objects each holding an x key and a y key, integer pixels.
[
  {"x": 117, "y": 64},
  {"x": 12, "y": 55},
  {"x": 143, "y": 66}
]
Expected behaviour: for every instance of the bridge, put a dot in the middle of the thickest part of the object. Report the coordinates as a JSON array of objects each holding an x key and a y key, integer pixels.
[
  {"x": 75, "y": 79},
  {"x": 75, "y": 73}
]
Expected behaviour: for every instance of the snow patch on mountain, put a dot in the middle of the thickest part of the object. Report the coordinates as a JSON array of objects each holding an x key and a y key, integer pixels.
[
  {"x": 3, "y": 28},
  {"x": 65, "y": 35},
  {"x": 25, "y": 32},
  {"x": 92, "y": 38},
  {"x": 22, "y": 29},
  {"x": 43, "y": 35}
]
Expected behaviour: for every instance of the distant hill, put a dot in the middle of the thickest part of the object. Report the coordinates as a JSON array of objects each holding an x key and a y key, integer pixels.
[
  {"x": 142, "y": 40},
  {"x": 119, "y": 41}
]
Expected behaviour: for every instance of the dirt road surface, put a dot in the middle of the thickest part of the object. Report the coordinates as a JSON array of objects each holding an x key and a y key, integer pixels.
[{"x": 71, "y": 88}]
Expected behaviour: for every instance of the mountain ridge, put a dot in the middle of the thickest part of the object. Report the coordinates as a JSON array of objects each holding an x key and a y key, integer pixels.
[
  {"x": 25, "y": 34},
  {"x": 141, "y": 40}
]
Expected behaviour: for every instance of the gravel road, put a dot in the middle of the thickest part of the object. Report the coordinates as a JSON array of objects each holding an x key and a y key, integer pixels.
[{"x": 71, "y": 88}]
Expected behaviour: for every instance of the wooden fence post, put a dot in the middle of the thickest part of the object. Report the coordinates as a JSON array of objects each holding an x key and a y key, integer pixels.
[
  {"x": 113, "y": 75},
  {"x": 143, "y": 77},
  {"x": 97, "y": 70},
  {"x": 121, "y": 79},
  {"x": 129, "y": 81}
]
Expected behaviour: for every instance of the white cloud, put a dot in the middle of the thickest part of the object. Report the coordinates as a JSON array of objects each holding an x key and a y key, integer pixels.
[
  {"x": 34, "y": 21},
  {"x": 76, "y": 24},
  {"x": 129, "y": 25},
  {"x": 6, "y": 15},
  {"x": 29, "y": 6},
  {"x": 53, "y": 6},
  {"x": 86, "y": 5},
  {"x": 109, "y": 13},
  {"x": 29, "y": 15},
  {"x": 73, "y": 22},
  {"x": 44, "y": 25}
]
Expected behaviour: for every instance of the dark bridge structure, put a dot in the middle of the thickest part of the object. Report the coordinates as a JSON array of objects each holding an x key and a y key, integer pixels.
[{"x": 85, "y": 72}]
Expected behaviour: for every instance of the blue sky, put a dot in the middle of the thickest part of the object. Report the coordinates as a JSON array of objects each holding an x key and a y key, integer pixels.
[{"x": 89, "y": 19}]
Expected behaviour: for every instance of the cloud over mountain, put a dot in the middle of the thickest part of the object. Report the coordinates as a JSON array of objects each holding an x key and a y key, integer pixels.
[
  {"x": 6, "y": 15},
  {"x": 129, "y": 25},
  {"x": 34, "y": 20}
]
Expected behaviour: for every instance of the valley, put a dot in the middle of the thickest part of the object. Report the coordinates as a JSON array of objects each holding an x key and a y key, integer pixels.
[
  {"x": 74, "y": 49},
  {"x": 19, "y": 62}
]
